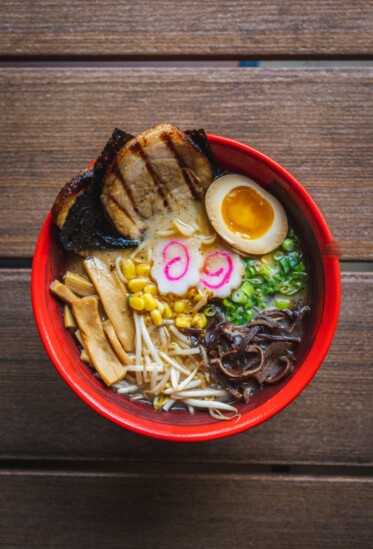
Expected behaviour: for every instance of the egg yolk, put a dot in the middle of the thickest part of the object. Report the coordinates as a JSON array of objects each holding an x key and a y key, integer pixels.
[{"x": 246, "y": 213}]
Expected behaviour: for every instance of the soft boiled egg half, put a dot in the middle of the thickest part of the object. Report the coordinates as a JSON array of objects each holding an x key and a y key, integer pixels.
[{"x": 245, "y": 215}]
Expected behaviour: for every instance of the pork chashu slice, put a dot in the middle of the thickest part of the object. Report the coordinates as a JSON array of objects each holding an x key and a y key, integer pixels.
[{"x": 158, "y": 168}]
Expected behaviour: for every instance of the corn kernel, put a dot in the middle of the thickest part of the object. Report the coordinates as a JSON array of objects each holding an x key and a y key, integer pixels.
[
  {"x": 156, "y": 317},
  {"x": 180, "y": 306},
  {"x": 183, "y": 321},
  {"x": 167, "y": 313},
  {"x": 149, "y": 302},
  {"x": 199, "y": 295},
  {"x": 199, "y": 320},
  {"x": 128, "y": 269},
  {"x": 151, "y": 288},
  {"x": 160, "y": 306},
  {"x": 137, "y": 284},
  {"x": 136, "y": 303},
  {"x": 143, "y": 269}
]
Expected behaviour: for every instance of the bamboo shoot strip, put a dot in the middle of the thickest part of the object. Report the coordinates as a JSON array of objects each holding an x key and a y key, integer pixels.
[
  {"x": 98, "y": 348},
  {"x": 115, "y": 343},
  {"x": 68, "y": 318},
  {"x": 114, "y": 300},
  {"x": 84, "y": 357},
  {"x": 61, "y": 291},
  {"x": 79, "y": 337},
  {"x": 78, "y": 284}
]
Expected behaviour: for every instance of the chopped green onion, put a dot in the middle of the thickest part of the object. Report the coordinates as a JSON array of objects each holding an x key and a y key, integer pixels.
[
  {"x": 248, "y": 288},
  {"x": 258, "y": 267},
  {"x": 269, "y": 289},
  {"x": 237, "y": 318},
  {"x": 298, "y": 276},
  {"x": 288, "y": 245},
  {"x": 249, "y": 316},
  {"x": 293, "y": 259},
  {"x": 278, "y": 255},
  {"x": 210, "y": 311},
  {"x": 269, "y": 281},
  {"x": 266, "y": 271},
  {"x": 239, "y": 296},
  {"x": 284, "y": 262},
  {"x": 281, "y": 303},
  {"x": 300, "y": 268},
  {"x": 295, "y": 290},
  {"x": 256, "y": 281}
]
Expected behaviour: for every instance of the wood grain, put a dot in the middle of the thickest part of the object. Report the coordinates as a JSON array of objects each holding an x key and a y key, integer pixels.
[
  {"x": 330, "y": 423},
  {"x": 317, "y": 123},
  {"x": 170, "y": 28},
  {"x": 123, "y": 510}
]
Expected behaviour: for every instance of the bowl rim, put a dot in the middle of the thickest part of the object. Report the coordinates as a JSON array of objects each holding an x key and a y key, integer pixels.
[{"x": 253, "y": 417}]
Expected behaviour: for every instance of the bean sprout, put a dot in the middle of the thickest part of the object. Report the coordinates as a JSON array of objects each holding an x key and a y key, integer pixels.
[
  {"x": 195, "y": 402},
  {"x": 168, "y": 405},
  {"x": 138, "y": 340},
  {"x": 220, "y": 393},
  {"x": 128, "y": 389},
  {"x": 158, "y": 388},
  {"x": 168, "y": 232},
  {"x": 118, "y": 270},
  {"x": 147, "y": 339},
  {"x": 142, "y": 367},
  {"x": 179, "y": 335},
  {"x": 186, "y": 352},
  {"x": 184, "y": 228},
  {"x": 173, "y": 363},
  {"x": 201, "y": 303},
  {"x": 137, "y": 250},
  {"x": 216, "y": 414}
]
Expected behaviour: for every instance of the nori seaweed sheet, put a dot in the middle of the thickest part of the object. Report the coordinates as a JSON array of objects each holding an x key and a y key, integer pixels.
[{"x": 200, "y": 140}]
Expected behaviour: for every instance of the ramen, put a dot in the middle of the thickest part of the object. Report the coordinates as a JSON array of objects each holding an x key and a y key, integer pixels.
[{"x": 186, "y": 287}]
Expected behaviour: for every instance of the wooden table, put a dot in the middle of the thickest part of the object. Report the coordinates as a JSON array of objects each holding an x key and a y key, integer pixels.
[{"x": 68, "y": 477}]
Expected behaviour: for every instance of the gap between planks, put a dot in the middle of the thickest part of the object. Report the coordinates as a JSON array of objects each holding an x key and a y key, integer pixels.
[
  {"x": 105, "y": 467},
  {"x": 107, "y": 60}
]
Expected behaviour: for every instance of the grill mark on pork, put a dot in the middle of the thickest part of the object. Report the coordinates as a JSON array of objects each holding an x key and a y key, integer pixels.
[
  {"x": 182, "y": 165},
  {"x": 127, "y": 190},
  {"x": 159, "y": 184},
  {"x": 115, "y": 201}
]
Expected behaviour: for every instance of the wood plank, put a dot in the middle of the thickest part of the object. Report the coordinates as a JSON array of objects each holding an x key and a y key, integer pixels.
[
  {"x": 317, "y": 123},
  {"x": 116, "y": 510},
  {"x": 330, "y": 423},
  {"x": 169, "y": 28}
]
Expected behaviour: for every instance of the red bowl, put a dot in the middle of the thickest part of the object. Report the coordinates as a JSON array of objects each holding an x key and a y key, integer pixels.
[{"x": 325, "y": 293}]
